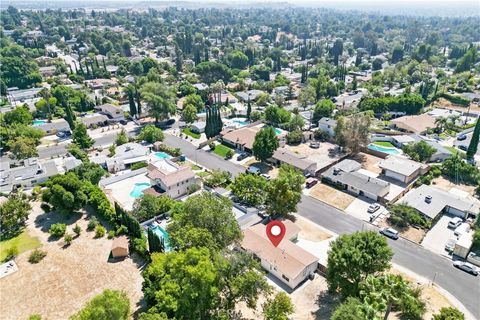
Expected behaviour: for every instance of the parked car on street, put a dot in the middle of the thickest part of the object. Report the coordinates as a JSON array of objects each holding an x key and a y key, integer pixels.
[
  {"x": 310, "y": 182},
  {"x": 389, "y": 232},
  {"x": 461, "y": 137},
  {"x": 373, "y": 207},
  {"x": 455, "y": 222},
  {"x": 463, "y": 148},
  {"x": 465, "y": 266},
  {"x": 253, "y": 170}
]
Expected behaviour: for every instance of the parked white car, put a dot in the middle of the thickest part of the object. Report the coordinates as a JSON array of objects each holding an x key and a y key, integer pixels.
[
  {"x": 450, "y": 245},
  {"x": 455, "y": 222},
  {"x": 373, "y": 207},
  {"x": 461, "y": 229}
]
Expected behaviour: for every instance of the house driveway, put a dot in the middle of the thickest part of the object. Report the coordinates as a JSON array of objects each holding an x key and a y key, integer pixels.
[
  {"x": 359, "y": 209},
  {"x": 438, "y": 236}
]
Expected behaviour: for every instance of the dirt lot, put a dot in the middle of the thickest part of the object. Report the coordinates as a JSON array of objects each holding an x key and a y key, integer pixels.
[
  {"x": 412, "y": 234},
  {"x": 68, "y": 277},
  {"x": 368, "y": 162},
  {"x": 444, "y": 103},
  {"x": 446, "y": 185},
  {"x": 332, "y": 196},
  {"x": 311, "y": 231}
]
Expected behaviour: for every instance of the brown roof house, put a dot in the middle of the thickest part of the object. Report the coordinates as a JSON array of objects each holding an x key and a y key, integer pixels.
[
  {"x": 241, "y": 139},
  {"x": 120, "y": 247},
  {"x": 171, "y": 178},
  {"x": 288, "y": 262},
  {"x": 416, "y": 124}
]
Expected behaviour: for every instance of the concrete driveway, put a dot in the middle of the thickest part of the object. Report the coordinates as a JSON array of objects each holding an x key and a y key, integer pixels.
[
  {"x": 359, "y": 209},
  {"x": 436, "y": 239}
]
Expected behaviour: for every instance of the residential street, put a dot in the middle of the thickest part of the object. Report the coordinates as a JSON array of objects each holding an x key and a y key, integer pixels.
[{"x": 463, "y": 286}]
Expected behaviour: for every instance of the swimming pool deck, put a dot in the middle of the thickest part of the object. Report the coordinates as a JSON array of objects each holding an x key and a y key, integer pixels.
[{"x": 120, "y": 190}]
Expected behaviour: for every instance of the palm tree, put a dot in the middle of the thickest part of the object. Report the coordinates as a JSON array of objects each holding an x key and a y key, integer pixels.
[
  {"x": 384, "y": 292},
  {"x": 441, "y": 123},
  {"x": 160, "y": 100}
]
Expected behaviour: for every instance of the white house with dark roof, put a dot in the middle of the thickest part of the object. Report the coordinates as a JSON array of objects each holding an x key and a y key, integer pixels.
[{"x": 401, "y": 169}]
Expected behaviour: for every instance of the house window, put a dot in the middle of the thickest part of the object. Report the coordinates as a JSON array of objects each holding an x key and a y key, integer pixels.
[{"x": 285, "y": 277}]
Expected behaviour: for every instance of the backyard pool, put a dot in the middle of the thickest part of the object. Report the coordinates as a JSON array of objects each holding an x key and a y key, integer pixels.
[
  {"x": 162, "y": 155},
  {"x": 162, "y": 233},
  {"x": 38, "y": 122},
  {"x": 240, "y": 122},
  {"x": 383, "y": 149},
  {"x": 138, "y": 189}
]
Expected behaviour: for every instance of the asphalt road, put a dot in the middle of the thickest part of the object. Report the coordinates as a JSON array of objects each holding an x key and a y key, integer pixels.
[{"x": 465, "y": 287}]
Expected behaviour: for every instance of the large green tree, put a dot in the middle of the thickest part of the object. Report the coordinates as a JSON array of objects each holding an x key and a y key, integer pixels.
[
  {"x": 23, "y": 148},
  {"x": 109, "y": 305},
  {"x": 473, "y": 146},
  {"x": 265, "y": 144},
  {"x": 81, "y": 138},
  {"x": 323, "y": 108},
  {"x": 285, "y": 191},
  {"x": 206, "y": 212},
  {"x": 13, "y": 214},
  {"x": 278, "y": 308},
  {"x": 249, "y": 189},
  {"x": 449, "y": 314},
  {"x": 149, "y": 206},
  {"x": 354, "y": 309},
  {"x": 353, "y": 132},
  {"x": 19, "y": 115},
  {"x": 419, "y": 151},
  {"x": 160, "y": 100},
  {"x": 353, "y": 257},
  {"x": 151, "y": 134}
]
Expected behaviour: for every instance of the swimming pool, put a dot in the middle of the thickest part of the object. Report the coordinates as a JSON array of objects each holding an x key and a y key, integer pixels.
[
  {"x": 162, "y": 155},
  {"x": 383, "y": 149},
  {"x": 163, "y": 234},
  {"x": 240, "y": 122},
  {"x": 38, "y": 122},
  {"x": 138, "y": 189}
]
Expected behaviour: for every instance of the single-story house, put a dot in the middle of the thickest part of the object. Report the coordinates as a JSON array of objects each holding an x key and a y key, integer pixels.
[
  {"x": 171, "y": 178},
  {"x": 345, "y": 175},
  {"x": 401, "y": 140},
  {"x": 53, "y": 127},
  {"x": 328, "y": 125},
  {"x": 126, "y": 155},
  {"x": 114, "y": 113},
  {"x": 241, "y": 139},
  {"x": 46, "y": 72},
  {"x": 431, "y": 201},
  {"x": 22, "y": 95},
  {"x": 283, "y": 155},
  {"x": 95, "y": 119},
  {"x": 198, "y": 127},
  {"x": 415, "y": 124},
  {"x": 403, "y": 170},
  {"x": 288, "y": 262},
  {"x": 439, "y": 112},
  {"x": 120, "y": 247},
  {"x": 250, "y": 94}
]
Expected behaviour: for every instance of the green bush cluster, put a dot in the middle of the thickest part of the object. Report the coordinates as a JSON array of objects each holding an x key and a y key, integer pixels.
[
  {"x": 403, "y": 216},
  {"x": 57, "y": 230}
]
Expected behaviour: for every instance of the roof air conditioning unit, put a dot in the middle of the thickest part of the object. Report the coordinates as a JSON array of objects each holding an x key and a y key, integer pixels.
[{"x": 428, "y": 199}]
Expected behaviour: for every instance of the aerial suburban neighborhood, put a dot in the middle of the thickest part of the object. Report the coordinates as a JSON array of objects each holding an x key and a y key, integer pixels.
[{"x": 239, "y": 161}]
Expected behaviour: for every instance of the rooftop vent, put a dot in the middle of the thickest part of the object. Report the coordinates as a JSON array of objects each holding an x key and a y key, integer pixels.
[{"x": 428, "y": 199}]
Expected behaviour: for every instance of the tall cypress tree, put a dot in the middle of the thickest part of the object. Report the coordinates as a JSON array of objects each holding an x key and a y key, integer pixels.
[
  {"x": 104, "y": 64},
  {"x": 139, "y": 105},
  {"x": 208, "y": 124},
  {"x": 473, "y": 146},
  {"x": 131, "y": 103},
  {"x": 249, "y": 108},
  {"x": 69, "y": 116}
]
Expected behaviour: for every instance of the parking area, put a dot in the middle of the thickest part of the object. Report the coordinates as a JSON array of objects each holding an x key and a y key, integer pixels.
[
  {"x": 330, "y": 195},
  {"x": 359, "y": 209},
  {"x": 438, "y": 236}
]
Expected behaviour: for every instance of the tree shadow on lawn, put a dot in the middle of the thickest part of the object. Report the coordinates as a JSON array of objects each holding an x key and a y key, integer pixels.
[
  {"x": 327, "y": 303},
  {"x": 45, "y": 220}
]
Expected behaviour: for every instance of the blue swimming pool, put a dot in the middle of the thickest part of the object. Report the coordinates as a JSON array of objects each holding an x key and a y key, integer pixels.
[
  {"x": 163, "y": 234},
  {"x": 38, "y": 122},
  {"x": 162, "y": 155},
  {"x": 383, "y": 149},
  {"x": 138, "y": 189},
  {"x": 241, "y": 122}
]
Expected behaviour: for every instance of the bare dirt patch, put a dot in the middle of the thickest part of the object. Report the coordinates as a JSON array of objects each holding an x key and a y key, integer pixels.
[
  {"x": 67, "y": 277},
  {"x": 445, "y": 184},
  {"x": 331, "y": 196},
  {"x": 410, "y": 233},
  {"x": 311, "y": 231},
  {"x": 368, "y": 162},
  {"x": 445, "y": 104}
]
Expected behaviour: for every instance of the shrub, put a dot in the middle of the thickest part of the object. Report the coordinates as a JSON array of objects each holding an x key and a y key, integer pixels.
[
  {"x": 138, "y": 165},
  {"x": 100, "y": 231},
  {"x": 193, "y": 188},
  {"x": 320, "y": 135},
  {"x": 45, "y": 207},
  {"x": 121, "y": 230},
  {"x": 402, "y": 216},
  {"x": 35, "y": 317},
  {"x": 92, "y": 223},
  {"x": 294, "y": 137},
  {"x": 229, "y": 154},
  {"x": 77, "y": 230},
  {"x": 435, "y": 171},
  {"x": 57, "y": 229},
  {"x": 211, "y": 145},
  {"x": 139, "y": 245},
  {"x": 36, "y": 256},
  {"x": 68, "y": 238},
  {"x": 11, "y": 253},
  {"x": 111, "y": 234}
]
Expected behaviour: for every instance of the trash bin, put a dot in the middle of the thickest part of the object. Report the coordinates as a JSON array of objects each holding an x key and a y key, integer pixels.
[{"x": 182, "y": 157}]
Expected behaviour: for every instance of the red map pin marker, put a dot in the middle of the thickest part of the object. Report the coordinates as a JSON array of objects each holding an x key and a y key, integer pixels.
[{"x": 275, "y": 232}]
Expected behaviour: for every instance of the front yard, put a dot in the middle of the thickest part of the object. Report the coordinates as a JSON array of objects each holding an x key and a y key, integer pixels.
[
  {"x": 221, "y": 150},
  {"x": 23, "y": 242},
  {"x": 189, "y": 133},
  {"x": 331, "y": 196}
]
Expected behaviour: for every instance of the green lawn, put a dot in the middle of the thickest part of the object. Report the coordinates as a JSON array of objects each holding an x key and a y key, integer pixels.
[
  {"x": 189, "y": 132},
  {"x": 23, "y": 242},
  {"x": 454, "y": 150},
  {"x": 195, "y": 167},
  {"x": 221, "y": 150},
  {"x": 384, "y": 144},
  {"x": 203, "y": 174}
]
